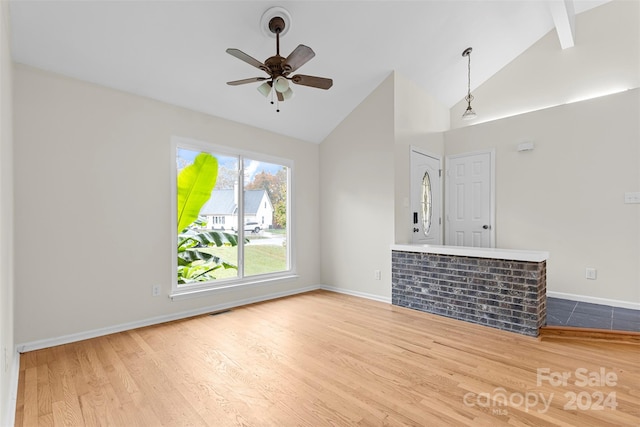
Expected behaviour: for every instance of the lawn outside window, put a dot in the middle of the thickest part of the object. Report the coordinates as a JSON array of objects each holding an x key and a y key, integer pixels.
[{"x": 231, "y": 216}]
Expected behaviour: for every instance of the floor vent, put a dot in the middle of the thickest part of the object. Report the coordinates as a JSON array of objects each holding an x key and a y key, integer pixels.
[{"x": 215, "y": 313}]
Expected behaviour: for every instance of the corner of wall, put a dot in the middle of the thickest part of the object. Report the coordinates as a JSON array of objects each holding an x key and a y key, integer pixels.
[
  {"x": 356, "y": 197},
  {"x": 8, "y": 357}
]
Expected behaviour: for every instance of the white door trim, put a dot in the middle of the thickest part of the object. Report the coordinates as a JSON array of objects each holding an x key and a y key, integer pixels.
[{"x": 492, "y": 201}]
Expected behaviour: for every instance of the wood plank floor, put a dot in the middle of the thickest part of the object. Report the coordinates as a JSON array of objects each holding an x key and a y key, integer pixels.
[{"x": 325, "y": 359}]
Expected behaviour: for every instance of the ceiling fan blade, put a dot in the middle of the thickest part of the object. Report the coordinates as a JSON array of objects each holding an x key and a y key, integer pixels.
[
  {"x": 313, "y": 81},
  {"x": 245, "y": 81},
  {"x": 246, "y": 58},
  {"x": 296, "y": 59}
]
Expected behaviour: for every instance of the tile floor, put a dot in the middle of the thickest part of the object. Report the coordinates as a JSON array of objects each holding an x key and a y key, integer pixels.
[{"x": 562, "y": 312}]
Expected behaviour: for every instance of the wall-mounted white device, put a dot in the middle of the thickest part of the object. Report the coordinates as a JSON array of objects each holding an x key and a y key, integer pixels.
[
  {"x": 632, "y": 197},
  {"x": 526, "y": 146}
]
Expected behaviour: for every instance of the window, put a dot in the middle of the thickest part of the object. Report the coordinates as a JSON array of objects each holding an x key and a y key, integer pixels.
[
  {"x": 219, "y": 197},
  {"x": 426, "y": 202}
]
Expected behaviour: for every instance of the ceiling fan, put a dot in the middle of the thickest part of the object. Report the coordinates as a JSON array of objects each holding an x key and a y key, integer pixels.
[{"x": 279, "y": 68}]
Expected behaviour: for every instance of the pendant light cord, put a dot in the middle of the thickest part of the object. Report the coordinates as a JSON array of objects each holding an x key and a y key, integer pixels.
[{"x": 469, "y": 97}]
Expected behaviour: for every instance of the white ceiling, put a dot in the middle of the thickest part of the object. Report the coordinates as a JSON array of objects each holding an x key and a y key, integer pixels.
[{"x": 174, "y": 51}]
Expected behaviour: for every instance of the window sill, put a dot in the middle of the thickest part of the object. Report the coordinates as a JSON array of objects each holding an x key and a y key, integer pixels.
[{"x": 182, "y": 294}]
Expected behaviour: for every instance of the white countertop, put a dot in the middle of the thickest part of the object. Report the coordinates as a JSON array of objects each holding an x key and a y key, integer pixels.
[{"x": 508, "y": 254}]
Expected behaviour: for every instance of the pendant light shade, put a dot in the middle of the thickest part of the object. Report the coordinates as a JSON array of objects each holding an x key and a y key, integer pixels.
[{"x": 468, "y": 114}]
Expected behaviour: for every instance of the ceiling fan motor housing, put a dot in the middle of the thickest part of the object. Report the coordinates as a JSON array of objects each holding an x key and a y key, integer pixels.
[{"x": 276, "y": 66}]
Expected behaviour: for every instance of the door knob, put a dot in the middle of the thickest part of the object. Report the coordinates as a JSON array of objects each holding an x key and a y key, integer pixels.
[{"x": 486, "y": 227}]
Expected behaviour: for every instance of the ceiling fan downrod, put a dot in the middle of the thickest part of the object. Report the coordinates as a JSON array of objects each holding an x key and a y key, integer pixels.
[{"x": 276, "y": 26}]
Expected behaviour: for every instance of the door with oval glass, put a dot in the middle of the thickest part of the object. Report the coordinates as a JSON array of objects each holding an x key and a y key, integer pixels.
[{"x": 426, "y": 198}]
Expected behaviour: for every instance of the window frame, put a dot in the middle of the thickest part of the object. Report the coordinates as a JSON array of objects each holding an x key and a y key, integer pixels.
[{"x": 208, "y": 288}]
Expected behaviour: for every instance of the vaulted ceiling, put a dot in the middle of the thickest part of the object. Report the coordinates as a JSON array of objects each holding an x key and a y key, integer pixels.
[{"x": 174, "y": 51}]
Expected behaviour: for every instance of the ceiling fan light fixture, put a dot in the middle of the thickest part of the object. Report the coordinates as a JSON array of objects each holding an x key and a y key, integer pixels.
[
  {"x": 287, "y": 94},
  {"x": 281, "y": 84},
  {"x": 265, "y": 89}
]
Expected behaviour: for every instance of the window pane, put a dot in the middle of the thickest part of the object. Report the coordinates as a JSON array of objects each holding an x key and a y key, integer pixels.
[
  {"x": 426, "y": 203},
  {"x": 265, "y": 217},
  {"x": 207, "y": 245}
]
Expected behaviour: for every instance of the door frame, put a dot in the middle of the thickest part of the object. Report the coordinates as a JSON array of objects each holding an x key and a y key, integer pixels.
[
  {"x": 492, "y": 197},
  {"x": 440, "y": 159}
]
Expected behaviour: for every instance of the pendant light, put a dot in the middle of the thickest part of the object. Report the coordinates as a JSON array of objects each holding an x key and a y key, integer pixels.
[{"x": 469, "y": 114}]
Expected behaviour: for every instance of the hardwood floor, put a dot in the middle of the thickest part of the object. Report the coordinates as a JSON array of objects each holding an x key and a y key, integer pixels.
[
  {"x": 584, "y": 334},
  {"x": 325, "y": 359}
]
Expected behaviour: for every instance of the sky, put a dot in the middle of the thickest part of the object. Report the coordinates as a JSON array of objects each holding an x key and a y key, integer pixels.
[{"x": 252, "y": 167}]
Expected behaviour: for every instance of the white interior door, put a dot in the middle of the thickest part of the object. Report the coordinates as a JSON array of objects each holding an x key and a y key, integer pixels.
[
  {"x": 426, "y": 198},
  {"x": 470, "y": 200}
]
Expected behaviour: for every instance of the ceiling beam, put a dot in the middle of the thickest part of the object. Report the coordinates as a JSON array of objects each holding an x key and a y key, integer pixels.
[{"x": 564, "y": 18}]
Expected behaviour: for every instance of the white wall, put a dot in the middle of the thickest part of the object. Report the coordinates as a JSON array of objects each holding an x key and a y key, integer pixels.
[
  {"x": 8, "y": 367},
  {"x": 357, "y": 175},
  {"x": 92, "y": 206},
  {"x": 605, "y": 58},
  {"x": 567, "y": 195}
]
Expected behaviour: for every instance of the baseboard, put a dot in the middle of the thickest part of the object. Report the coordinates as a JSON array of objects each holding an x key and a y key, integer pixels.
[
  {"x": 595, "y": 300},
  {"x": 356, "y": 293},
  {"x": 66, "y": 339}
]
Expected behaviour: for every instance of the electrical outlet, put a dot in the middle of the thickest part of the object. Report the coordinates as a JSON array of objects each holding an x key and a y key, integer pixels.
[
  {"x": 377, "y": 275},
  {"x": 591, "y": 274},
  {"x": 155, "y": 291}
]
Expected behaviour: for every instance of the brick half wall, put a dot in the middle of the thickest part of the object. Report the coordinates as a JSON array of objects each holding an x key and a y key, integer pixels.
[{"x": 504, "y": 294}]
